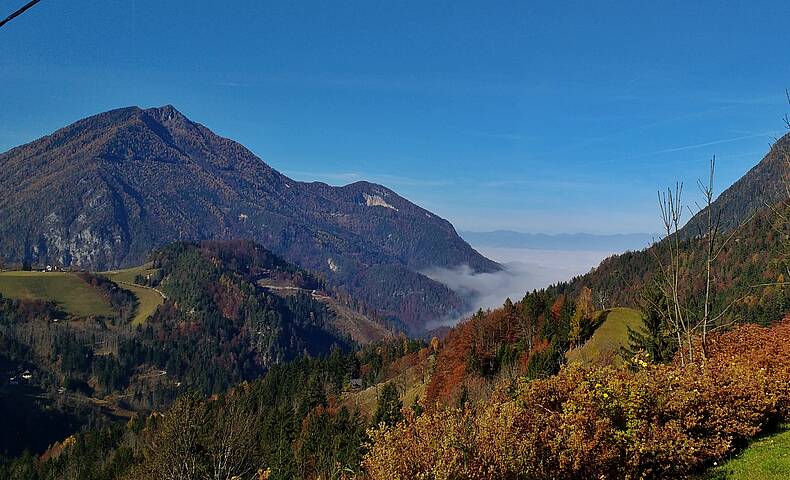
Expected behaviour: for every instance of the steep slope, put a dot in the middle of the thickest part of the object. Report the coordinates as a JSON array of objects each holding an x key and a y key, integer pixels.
[
  {"x": 763, "y": 185},
  {"x": 105, "y": 191},
  {"x": 755, "y": 258}
]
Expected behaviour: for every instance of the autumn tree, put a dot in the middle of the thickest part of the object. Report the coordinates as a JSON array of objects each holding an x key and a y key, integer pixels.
[{"x": 581, "y": 321}]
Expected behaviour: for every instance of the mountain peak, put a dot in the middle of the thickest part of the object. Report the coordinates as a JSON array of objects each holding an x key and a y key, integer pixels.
[
  {"x": 166, "y": 114},
  {"x": 105, "y": 191},
  {"x": 168, "y": 117}
]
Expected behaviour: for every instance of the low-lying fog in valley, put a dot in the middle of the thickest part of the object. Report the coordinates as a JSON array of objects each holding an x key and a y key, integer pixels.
[{"x": 525, "y": 269}]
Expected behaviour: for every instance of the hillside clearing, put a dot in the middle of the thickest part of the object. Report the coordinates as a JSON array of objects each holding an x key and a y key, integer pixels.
[
  {"x": 148, "y": 298},
  {"x": 608, "y": 338},
  {"x": 67, "y": 290},
  {"x": 127, "y": 275}
]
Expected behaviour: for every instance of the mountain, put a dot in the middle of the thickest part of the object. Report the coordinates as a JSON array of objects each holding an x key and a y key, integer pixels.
[
  {"x": 562, "y": 241},
  {"x": 747, "y": 274},
  {"x": 765, "y": 184},
  {"x": 105, "y": 191}
]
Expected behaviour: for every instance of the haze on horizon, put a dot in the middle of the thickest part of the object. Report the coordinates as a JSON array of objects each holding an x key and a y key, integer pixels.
[{"x": 481, "y": 113}]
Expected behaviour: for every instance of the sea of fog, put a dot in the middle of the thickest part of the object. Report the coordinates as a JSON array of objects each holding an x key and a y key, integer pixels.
[{"x": 524, "y": 270}]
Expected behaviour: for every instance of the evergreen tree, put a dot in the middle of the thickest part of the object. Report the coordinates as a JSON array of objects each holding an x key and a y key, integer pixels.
[
  {"x": 389, "y": 407},
  {"x": 654, "y": 338}
]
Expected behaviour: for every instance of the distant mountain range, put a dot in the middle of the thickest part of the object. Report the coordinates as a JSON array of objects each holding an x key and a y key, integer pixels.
[
  {"x": 107, "y": 190},
  {"x": 563, "y": 241}
]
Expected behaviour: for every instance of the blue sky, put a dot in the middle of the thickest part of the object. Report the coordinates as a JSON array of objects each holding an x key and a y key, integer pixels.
[{"x": 532, "y": 116}]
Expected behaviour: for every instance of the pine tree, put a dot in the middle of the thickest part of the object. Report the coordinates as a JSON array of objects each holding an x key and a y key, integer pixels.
[
  {"x": 654, "y": 338},
  {"x": 389, "y": 407}
]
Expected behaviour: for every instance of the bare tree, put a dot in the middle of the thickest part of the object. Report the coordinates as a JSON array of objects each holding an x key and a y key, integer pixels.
[
  {"x": 670, "y": 203},
  {"x": 711, "y": 235},
  {"x": 688, "y": 321},
  {"x": 232, "y": 439},
  {"x": 603, "y": 298}
]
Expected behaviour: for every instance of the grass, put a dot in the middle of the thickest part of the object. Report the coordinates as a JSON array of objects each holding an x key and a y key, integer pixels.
[
  {"x": 612, "y": 334},
  {"x": 75, "y": 296},
  {"x": 67, "y": 290},
  {"x": 127, "y": 275},
  {"x": 766, "y": 458},
  {"x": 148, "y": 298}
]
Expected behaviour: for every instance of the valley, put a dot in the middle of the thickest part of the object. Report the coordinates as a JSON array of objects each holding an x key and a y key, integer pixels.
[
  {"x": 205, "y": 327},
  {"x": 394, "y": 241}
]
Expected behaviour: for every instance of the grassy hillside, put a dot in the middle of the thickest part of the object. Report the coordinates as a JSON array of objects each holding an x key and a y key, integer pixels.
[
  {"x": 69, "y": 291},
  {"x": 127, "y": 275},
  {"x": 608, "y": 338},
  {"x": 148, "y": 298},
  {"x": 765, "y": 459}
]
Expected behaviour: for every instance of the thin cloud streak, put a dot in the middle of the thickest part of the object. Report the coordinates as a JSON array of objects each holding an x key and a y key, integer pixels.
[
  {"x": 707, "y": 144},
  {"x": 772, "y": 135}
]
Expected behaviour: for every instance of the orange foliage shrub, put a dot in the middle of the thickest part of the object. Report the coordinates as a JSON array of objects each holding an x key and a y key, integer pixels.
[
  {"x": 480, "y": 336},
  {"x": 655, "y": 422}
]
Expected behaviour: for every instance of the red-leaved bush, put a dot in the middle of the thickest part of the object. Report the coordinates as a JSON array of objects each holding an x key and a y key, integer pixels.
[{"x": 658, "y": 421}]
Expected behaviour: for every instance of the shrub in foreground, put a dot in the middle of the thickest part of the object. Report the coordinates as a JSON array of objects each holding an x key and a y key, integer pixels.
[{"x": 656, "y": 421}]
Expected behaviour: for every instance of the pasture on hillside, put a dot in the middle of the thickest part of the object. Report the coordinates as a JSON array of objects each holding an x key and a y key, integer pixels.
[
  {"x": 608, "y": 338},
  {"x": 65, "y": 289},
  {"x": 767, "y": 458},
  {"x": 148, "y": 298}
]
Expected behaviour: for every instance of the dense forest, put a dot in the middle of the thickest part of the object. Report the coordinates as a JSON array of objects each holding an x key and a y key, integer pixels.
[
  {"x": 217, "y": 327},
  {"x": 292, "y": 423}
]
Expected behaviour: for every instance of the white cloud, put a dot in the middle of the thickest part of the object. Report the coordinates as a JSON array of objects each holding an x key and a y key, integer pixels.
[{"x": 524, "y": 270}]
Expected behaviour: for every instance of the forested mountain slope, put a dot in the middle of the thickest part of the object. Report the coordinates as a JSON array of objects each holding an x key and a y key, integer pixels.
[
  {"x": 763, "y": 185},
  {"x": 752, "y": 265},
  {"x": 105, "y": 191},
  {"x": 223, "y": 321},
  {"x": 749, "y": 272}
]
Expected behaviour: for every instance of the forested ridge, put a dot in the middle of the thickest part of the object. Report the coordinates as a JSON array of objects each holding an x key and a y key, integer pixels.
[
  {"x": 216, "y": 328},
  {"x": 750, "y": 271}
]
